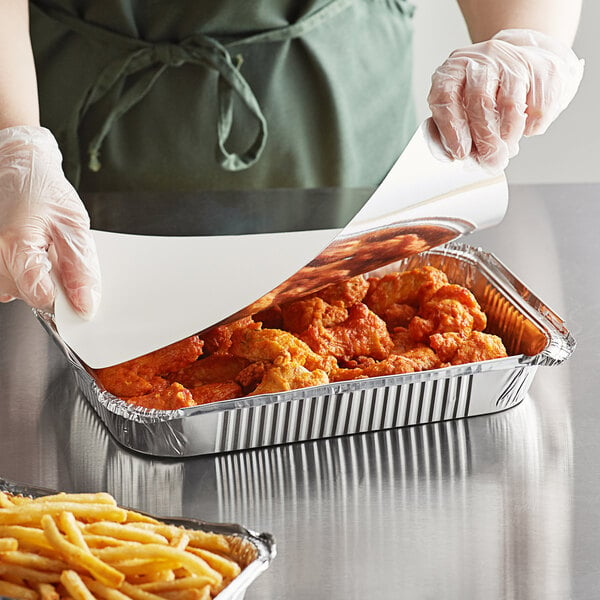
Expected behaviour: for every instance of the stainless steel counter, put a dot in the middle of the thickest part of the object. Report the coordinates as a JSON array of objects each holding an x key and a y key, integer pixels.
[{"x": 496, "y": 507}]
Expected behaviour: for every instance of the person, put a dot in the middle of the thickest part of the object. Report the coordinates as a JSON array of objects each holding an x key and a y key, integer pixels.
[{"x": 241, "y": 95}]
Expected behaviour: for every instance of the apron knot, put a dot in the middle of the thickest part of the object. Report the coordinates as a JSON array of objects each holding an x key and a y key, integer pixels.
[{"x": 171, "y": 55}]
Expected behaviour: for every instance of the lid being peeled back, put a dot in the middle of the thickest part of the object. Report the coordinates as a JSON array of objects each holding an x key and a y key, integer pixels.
[{"x": 158, "y": 289}]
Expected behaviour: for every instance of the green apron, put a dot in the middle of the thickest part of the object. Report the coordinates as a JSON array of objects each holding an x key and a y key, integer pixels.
[{"x": 224, "y": 94}]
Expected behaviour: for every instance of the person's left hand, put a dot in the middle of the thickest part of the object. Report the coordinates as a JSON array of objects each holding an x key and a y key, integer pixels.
[{"x": 486, "y": 96}]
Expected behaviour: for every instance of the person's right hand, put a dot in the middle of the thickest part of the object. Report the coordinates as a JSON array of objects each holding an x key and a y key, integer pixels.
[
  {"x": 486, "y": 96},
  {"x": 44, "y": 226}
]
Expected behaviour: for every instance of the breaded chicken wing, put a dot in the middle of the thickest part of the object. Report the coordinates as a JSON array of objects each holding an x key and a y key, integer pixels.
[
  {"x": 298, "y": 316},
  {"x": 402, "y": 340},
  {"x": 398, "y": 315},
  {"x": 407, "y": 287},
  {"x": 452, "y": 308},
  {"x": 213, "y": 392},
  {"x": 252, "y": 375},
  {"x": 289, "y": 376},
  {"x": 457, "y": 350},
  {"x": 363, "y": 333},
  {"x": 171, "y": 398},
  {"x": 418, "y": 359},
  {"x": 272, "y": 344},
  {"x": 345, "y": 293},
  {"x": 136, "y": 377},
  {"x": 218, "y": 339},
  {"x": 213, "y": 368}
]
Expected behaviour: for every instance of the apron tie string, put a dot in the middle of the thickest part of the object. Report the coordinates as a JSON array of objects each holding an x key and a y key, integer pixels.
[{"x": 148, "y": 61}]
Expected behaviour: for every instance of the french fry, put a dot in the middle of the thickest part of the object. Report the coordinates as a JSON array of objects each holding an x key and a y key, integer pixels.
[
  {"x": 98, "y": 498},
  {"x": 101, "y": 541},
  {"x": 191, "y": 594},
  {"x": 33, "y": 561},
  {"x": 78, "y": 557},
  {"x": 208, "y": 541},
  {"x": 133, "y": 591},
  {"x": 33, "y": 512},
  {"x": 194, "y": 564},
  {"x": 202, "y": 539},
  {"x": 136, "y": 517},
  {"x": 151, "y": 576},
  {"x": 12, "y": 590},
  {"x": 183, "y": 583},
  {"x": 227, "y": 567},
  {"x": 5, "y": 501},
  {"x": 137, "y": 567},
  {"x": 28, "y": 574},
  {"x": 180, "y": 540},
  {"x": 18, "y": 500},
  {"x": 85, "y": 547},
  {"x": 8, "y": 544},
  {"x": 125, "y": 532},
  {"x": 47, "y": 592},
  {"x": 103, "y": 591},
  {"x": 70, "y": 528},
  {"x": 28, "y": 536},
  {"x": 75, "y": 586}
]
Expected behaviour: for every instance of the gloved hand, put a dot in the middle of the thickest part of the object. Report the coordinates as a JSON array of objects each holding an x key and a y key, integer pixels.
[
  {"x": 485, "y": 97},
  {"x": 43, "y": 226}
]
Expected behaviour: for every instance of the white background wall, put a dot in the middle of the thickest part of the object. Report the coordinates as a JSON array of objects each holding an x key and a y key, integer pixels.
[{"x": 570, "y": 150}]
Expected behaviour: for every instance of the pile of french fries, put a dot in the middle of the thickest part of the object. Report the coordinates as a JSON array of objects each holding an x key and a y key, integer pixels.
[{"x": 84, "y": 546}]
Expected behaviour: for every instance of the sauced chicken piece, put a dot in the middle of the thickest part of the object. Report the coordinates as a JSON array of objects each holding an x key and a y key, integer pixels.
[
  {"x": 420, "y": 354},
  {"x": 446, "y": 316},
  {"x": 213, "y": 392},
  {"x": 402, "y": 340},
  {"x": 363, "y": 333},
  {"x": 452, "y": 308},
  {"x": 407, "y": 287},
  {"x": 345, "y": 293},
  {"x": 272, "y": 344},
  {"x": 287, "y": 376},
  {"x": 399, "y": 315},
  {"x": 171, "y": 398},
  {"x": 423, "y": 358},
  {"x": 218, "y": 339},
  {"x": 418, "y": 359},
  {"x": 300, "y": 315},
  {"x": 252, "y": 375},
  {"x": 457, "y": 350},
  {"x": 136, "y": 377},
  {"x": 213, "y": 368}
]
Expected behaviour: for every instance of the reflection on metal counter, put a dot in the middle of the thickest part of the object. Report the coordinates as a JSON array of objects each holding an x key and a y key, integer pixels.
[
  {"x": 355, "y": 498},
  {"x": 327, "y": 495}
]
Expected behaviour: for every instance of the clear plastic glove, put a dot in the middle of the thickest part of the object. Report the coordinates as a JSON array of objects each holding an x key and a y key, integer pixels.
[
  {"x": 43, "y": 226},
  {"x": 485, "y": 97}
]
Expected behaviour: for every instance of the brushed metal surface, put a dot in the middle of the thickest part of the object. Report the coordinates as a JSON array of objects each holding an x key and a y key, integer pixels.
[{"x": 497, "y": 507}]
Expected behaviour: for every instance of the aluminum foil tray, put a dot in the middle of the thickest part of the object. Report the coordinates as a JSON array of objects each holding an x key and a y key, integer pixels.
[
  {"x": 532, "y": 333},
  {"x": 253, "y": 551}
]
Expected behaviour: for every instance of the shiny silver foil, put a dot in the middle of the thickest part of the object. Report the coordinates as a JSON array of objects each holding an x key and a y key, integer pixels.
[
  {"x": 253, "y": 551},
  {"x": 532, "y": 333}
]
